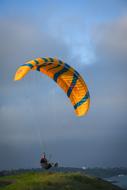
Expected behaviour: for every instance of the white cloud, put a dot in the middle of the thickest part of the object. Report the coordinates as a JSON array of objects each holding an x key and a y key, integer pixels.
[{"x": 110, "y": 40}]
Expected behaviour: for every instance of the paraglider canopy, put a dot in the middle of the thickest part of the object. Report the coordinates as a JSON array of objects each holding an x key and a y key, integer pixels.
[{"x": 65, "y": 76}]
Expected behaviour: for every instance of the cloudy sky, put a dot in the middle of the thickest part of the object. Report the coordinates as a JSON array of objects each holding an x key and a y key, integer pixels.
[{"x": 35, "y": 114}]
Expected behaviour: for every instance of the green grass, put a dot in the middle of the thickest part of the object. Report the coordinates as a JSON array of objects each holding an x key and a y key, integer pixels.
[{"x": 53, "y": 181}]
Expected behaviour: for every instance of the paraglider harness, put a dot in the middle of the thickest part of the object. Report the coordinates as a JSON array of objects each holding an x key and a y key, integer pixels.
[{"x": 45, "y": 164}]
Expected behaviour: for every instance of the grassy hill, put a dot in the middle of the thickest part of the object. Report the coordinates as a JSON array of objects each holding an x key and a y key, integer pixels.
[{"x": 53, "y": 181}]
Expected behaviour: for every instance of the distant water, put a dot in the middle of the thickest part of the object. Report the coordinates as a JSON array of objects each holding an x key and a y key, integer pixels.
[{"x": 120, "y": 181}]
